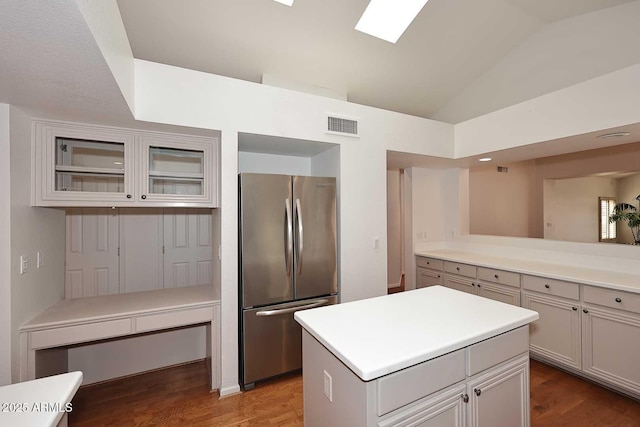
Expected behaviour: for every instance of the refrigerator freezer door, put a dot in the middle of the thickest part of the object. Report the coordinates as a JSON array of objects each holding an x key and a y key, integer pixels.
[
  {"x": 272, "y": 342},
  {"x": 314, "y": 205},
  {"x": 266, "y": 255}
]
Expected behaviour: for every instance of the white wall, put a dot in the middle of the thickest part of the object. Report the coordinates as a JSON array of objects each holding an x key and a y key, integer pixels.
[
  {"x": 112, "y": 359},
  {"x": 273, "y": 164},
  {"x": 5, "y": 247},
  {"x": 105, "y": 23},
  {"x": 627, "y": 189},
  {"x": 394, "y": 229},
  {"x": 571, "y": 207},
  {"x": 501, "y": 203},
  {"x": 189, "y": 98},
  {"x": 32, "y": 230},
  {"x": 601, "y": 103}
]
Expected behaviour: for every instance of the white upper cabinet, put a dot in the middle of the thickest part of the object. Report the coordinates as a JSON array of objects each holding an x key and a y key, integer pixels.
[{"x": 85, "y": 165}]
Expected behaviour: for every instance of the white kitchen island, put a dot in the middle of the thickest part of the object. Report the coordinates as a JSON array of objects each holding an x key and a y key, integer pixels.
[{"x": 428, "y": 357}]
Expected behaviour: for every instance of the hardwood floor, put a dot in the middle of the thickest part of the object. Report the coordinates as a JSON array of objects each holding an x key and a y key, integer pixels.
[{"x": 179, "y": 396}]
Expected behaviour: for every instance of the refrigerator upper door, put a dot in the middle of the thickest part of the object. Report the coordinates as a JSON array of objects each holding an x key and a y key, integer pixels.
[
  {"x": 315, "y": 265},
  {"x": 266, "y": 239}
]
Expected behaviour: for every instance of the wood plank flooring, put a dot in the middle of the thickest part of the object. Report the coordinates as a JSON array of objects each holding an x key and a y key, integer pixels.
[{"x": 179, "y": 396}]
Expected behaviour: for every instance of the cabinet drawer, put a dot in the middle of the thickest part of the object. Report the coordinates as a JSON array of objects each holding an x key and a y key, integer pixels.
[
  {"x": 499, "y": 276},
  {"x": 174, "y": 319},
  {"x": 81, "y": 333},
  {"x": 496, "y": 350},
  {"x": 612, "y": 298},
  {"x": 551, "y": 287},
  {"x": 461, "y": 269},
  {"x": 427, "y": 278},
  {"x": 406, "y": 386},
  {"x": 432, "y": 263}
]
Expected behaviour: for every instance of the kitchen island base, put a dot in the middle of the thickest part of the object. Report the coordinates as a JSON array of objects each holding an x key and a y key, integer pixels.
[{"x": 484, "y": 384}]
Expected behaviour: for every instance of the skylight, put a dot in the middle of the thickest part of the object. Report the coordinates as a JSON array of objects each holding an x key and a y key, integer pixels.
[
  {"x": 388, "y": 19},
  {"x": 287, "y": 2}
]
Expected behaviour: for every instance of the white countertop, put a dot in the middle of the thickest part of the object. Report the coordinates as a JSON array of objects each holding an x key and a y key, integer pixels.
[
  {"x": 38, "y": 399},
  {"x": 68, "y": 311},
  {"x": 588, "y": 276},
  {"x": 378, "y": 336}
]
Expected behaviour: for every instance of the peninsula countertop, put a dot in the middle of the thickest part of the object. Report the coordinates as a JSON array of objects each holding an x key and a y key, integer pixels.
[
  {"x": 381, "y": 335},
  {"x": 587, "y": 276}
]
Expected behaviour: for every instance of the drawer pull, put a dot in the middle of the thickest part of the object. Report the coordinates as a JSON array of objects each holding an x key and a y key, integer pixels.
[
  {"x": 584, "y": 310},
  {"x": 438, "y": 276},
  {"x": 465, "y": 398},
  {"x": 547, "y": 286},
  {"x": 458, "y": 268},
  {"x": 574, "y": 308},
  {"x": 477, "y": 391},
  {"x": 473, "y": 284},
  {"x": 478, "y": 284},
  {"x": 495, "y": 275},
  {"x": 428, "y": 263},
  {"x": 618, "y": 299}
]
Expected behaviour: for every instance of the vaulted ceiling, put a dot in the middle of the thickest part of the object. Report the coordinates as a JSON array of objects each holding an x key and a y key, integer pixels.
[{"x": 459, "y": 59}]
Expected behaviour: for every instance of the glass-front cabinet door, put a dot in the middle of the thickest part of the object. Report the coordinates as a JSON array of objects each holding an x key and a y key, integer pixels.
[
  {"x": 82, "y": 165},
  {"x": 178, "y": 170}
]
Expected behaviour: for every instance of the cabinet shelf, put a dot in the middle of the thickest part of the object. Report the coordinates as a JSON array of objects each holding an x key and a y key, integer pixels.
[
  {"x": 89, "y": 171},
  {"x": 177, "y": 175}
]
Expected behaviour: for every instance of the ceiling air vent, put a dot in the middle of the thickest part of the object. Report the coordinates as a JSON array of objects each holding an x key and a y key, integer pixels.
[
  {"x": 503, "y": 169},
  {"x": 342, "y": 126}
]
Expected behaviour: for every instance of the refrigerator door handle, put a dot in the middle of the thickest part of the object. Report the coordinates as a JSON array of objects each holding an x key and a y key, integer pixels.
[
  {"x": 288, "y": 255},
  {"x": 316, "y": 303},
  {"x": 300, "y": 236}
]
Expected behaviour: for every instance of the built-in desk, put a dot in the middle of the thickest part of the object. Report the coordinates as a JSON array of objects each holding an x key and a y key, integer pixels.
[{"x": 83, "y": 320}]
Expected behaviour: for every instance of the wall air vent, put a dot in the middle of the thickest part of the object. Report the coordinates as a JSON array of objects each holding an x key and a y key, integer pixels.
[
  {"x": 503, "y": 169},
  {"x": 342, "y": 126}
]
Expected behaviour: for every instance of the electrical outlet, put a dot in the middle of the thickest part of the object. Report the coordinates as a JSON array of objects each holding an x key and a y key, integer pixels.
[
  {"x": 23, "y": 264},
  {"x": 328, "y": 386},
  {"x": 376, "y": 242},
  {"x": 39, "y": 260}
]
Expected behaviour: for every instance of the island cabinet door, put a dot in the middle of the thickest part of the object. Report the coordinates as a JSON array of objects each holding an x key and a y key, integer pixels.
[
  {"x": 556, "y": 334},
  {"x": 444, "y": 409},
  {"x": 500, "y": 396}
]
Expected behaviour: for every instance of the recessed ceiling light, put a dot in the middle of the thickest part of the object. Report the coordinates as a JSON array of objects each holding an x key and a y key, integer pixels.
[
  {"x": 287, "y": 2},
  {"x": 388, "y": 19},
  {"x": 117, "y": 163},
  {"x": 485, "y": 159},
  {"x": 614, "y": 135}
]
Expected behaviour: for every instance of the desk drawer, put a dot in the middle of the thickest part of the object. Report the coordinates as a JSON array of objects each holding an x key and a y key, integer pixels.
[
  {"x": 499, "y": 276},
  {"x": 461, "y": 269},
  {"x": 551, "y": 287},
  {"x": 496, "y": 350},
  {"x": 406, "y": 386},
  {"x": 81, "y": 333},
  {"x": 174, "y": 319},
  {"x": 612, "y": 298},
  {"x": 432, "y": 263}
]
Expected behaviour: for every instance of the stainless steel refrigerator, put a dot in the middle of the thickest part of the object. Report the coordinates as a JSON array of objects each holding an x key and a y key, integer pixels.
[{"x": 288, "y": 262}]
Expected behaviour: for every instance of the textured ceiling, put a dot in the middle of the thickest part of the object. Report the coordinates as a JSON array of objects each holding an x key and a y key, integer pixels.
[{"x": 459, "y": 58}]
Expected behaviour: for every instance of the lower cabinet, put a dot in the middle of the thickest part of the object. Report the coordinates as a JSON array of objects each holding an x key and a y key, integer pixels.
[
  {"x": 496, "y": 397},
  {"x": 505, "y": 294},
  {"x": 500, "y": 397},
  {"x": 556, "y": 334},
  {"x": 610, "y": 347},
  {"x": 458, "y": 283}
]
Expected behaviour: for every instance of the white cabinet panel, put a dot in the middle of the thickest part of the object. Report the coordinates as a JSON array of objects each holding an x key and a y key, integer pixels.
[
  {"x": 556, "y": 334},
  {"x": 501, "y": 396},
  {"x": 611, "y": 344},
  {"x": 426, "y": 277},
  {"x": 460, "y": 283},
  {"x": 506, "y": 294}
]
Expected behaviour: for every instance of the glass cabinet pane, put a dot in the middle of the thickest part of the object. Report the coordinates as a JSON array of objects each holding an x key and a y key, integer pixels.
[
  {"x": 191, "y": 187},
  {"x": 90, "y": 154},
  {"x": 84, "y": 165},
  {"x": 175, "y": 162}
]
